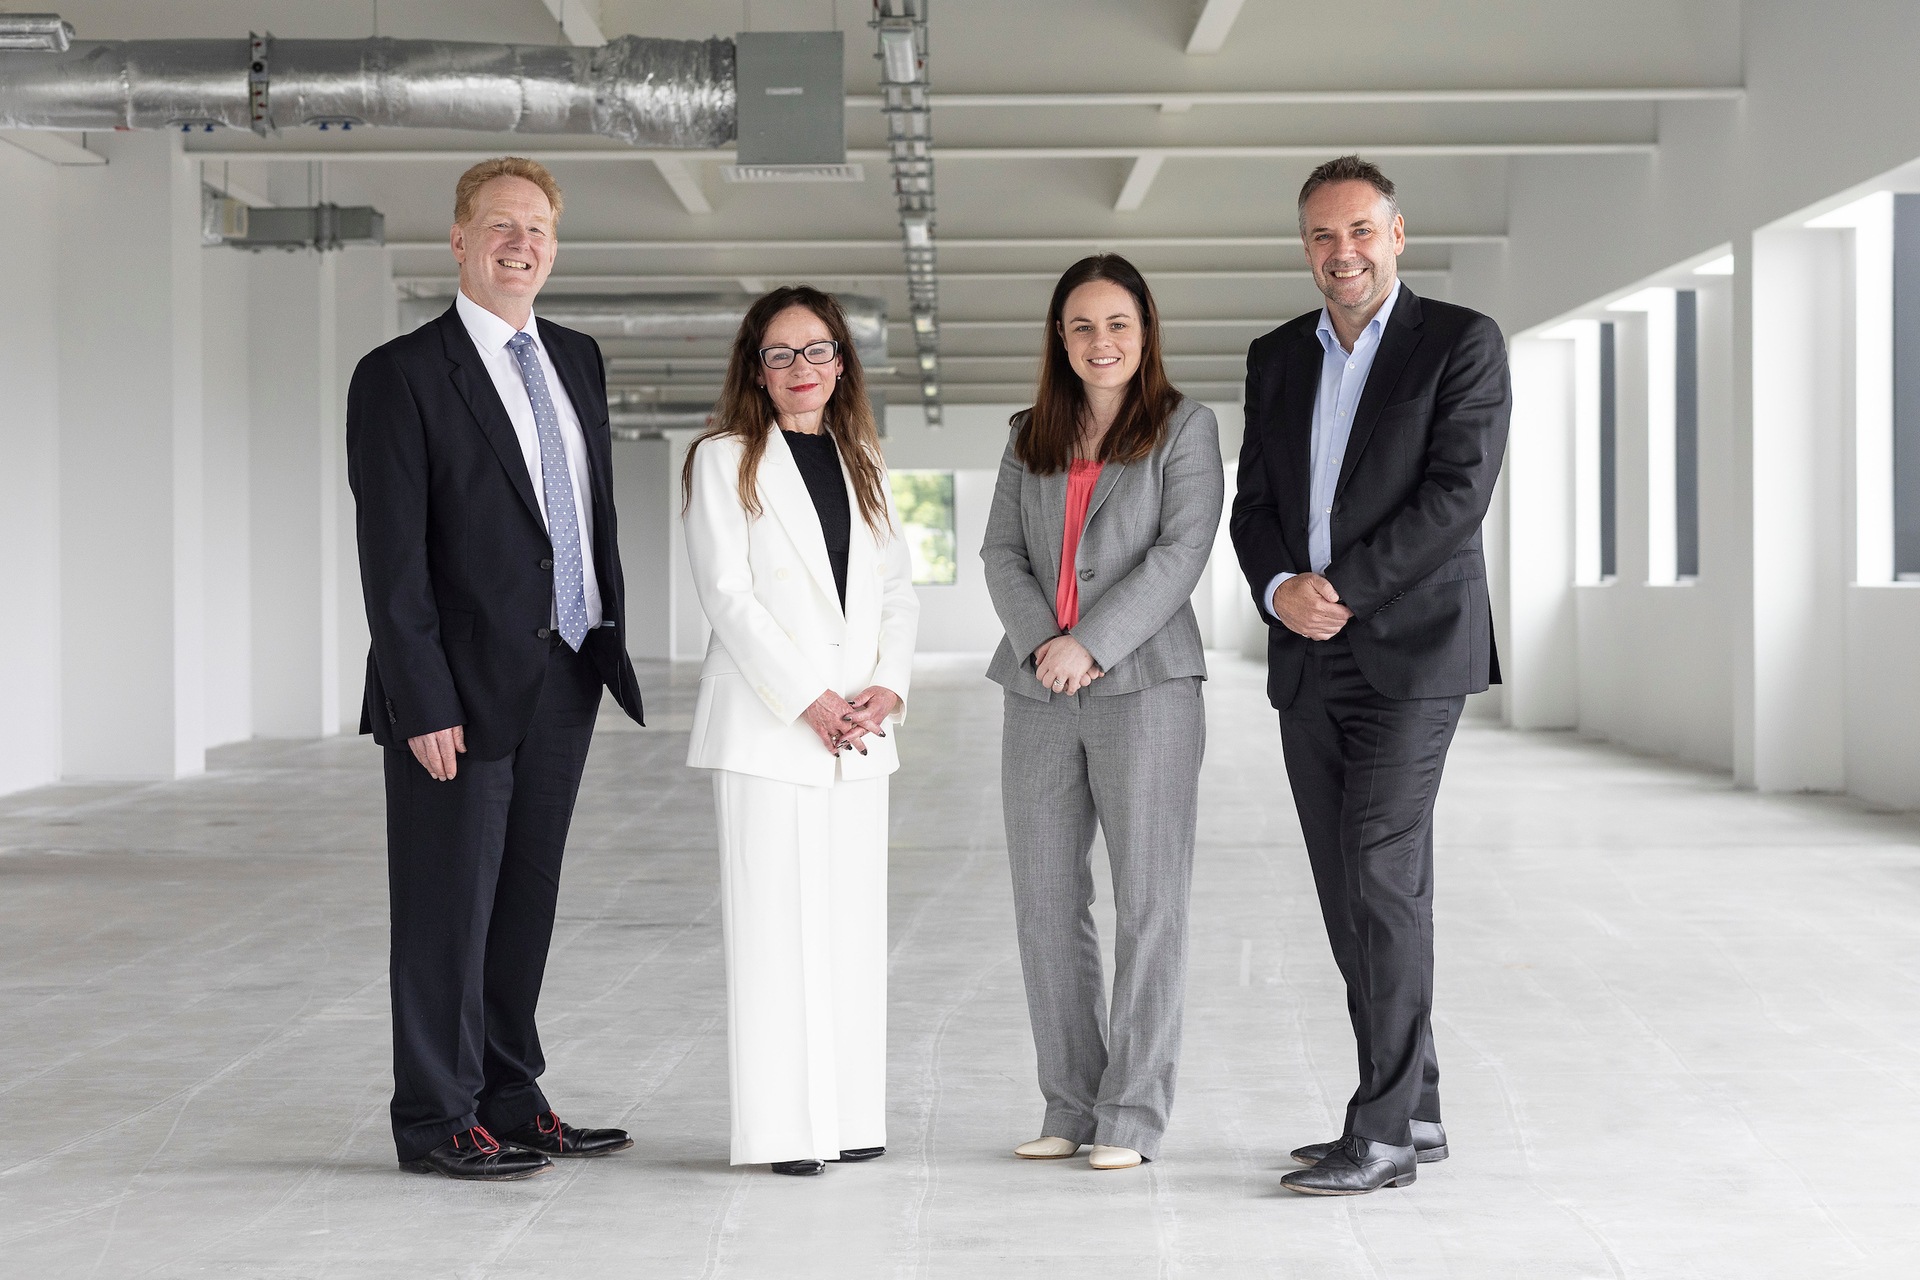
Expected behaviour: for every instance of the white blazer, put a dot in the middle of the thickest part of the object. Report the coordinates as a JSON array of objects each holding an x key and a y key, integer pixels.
[{"x": 779, "y": 636}]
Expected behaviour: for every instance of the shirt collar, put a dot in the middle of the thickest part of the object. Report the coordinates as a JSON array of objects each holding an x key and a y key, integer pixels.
[
  {"x": 1376, "y": 326},
  {"x": 489, "y": 332}
]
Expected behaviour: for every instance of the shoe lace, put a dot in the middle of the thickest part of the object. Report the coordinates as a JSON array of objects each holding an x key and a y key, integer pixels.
[
  {"x": 557, "y": 1129},
  {"x": 479, "y": 1139}
]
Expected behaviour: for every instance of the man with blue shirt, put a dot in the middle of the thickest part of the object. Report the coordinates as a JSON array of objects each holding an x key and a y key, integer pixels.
[{"x": 1375, "y": 430}]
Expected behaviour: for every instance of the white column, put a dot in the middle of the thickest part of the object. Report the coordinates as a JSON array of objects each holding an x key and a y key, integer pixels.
[
  {"x": 367, "y": 313},
  {"x": 689, "y": 626},
  {"x": 225, "y": 431},
  {"x": 295, "y": 465},
  {"x": 1540, "y": 657},
  {"x": 1794, "y": 696},
  {"x": 130, "y": 462},
  {"x": 646, "y": 499},
  {"x": 30, "y": 481}
]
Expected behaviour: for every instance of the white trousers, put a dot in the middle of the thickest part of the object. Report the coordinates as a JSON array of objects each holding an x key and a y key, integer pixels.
[{"x": 803, "y": 896}]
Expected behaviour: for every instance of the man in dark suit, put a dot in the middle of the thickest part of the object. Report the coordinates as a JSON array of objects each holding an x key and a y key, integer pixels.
[
  {"x": 1375, "y": 429},
  {"x": 481, "y": 463}
]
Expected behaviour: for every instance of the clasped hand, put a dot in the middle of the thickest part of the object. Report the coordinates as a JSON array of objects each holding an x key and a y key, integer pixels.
[
  {"x": 1064, "y": 665},
  {"x": 1308, "y": 605},
  {"x": 842, "y": 725}
]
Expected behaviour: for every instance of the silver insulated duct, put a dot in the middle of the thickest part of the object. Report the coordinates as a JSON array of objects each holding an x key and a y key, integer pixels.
[{"x": 663, "y": 93}]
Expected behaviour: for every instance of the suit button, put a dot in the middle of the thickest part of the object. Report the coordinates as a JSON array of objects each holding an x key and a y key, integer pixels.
[
  {"x": 543, "y": 632},
  {"x": 546, "y": 564},
  {"x": 1086, "y": 575}
]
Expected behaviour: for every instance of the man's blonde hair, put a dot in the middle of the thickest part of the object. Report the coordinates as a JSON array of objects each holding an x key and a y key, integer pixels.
[{"x": 503, "y": 167}]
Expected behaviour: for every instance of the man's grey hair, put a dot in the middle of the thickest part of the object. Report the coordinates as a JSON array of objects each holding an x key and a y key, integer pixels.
[{"x": 1348, "y": 169}]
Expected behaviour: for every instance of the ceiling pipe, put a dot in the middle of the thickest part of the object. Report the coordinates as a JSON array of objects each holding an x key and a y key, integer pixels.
[{"x": 659, "y": 93}]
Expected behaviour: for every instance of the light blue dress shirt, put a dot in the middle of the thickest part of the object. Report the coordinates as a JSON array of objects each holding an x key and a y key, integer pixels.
[{"x": 1343, "y": 376}]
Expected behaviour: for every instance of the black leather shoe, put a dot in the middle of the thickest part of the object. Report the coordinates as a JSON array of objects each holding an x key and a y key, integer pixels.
[
  {"x": 857, "y": 1154},
  {"x": 550, "y": 1136},
  {"x": 472, "y": 1155},
  {"x": 1429, "y": 1145},
  {"x": 798, "y": 1168},
  {"x": 1354, "y": 1167}
]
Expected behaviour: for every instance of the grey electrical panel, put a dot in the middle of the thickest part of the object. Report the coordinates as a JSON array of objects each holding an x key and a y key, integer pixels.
[{"x": 792, "y": 95}]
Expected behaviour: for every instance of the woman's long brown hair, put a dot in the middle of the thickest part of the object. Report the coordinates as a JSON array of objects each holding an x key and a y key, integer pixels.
[
  {"x": 745, "y": 411},
  {"x": 1046, "y": 435}
]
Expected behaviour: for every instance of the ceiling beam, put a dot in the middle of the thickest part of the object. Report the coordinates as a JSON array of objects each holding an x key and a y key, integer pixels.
[
  {"x": 55, "y": 148},
  {"x": 684, "y": 184},
  {"x": 1133, "y": 192},
  {"x": 996, "y": 243},
  {"x": 1211, "y": 27},
  {"x": 1326, "y": 97},
  {"x": 1237, "y": 151},
  {"x": 578, "y": 22}
]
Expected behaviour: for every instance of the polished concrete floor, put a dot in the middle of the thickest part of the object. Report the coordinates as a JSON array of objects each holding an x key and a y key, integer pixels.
[{"x": 1679, "y": 1024}]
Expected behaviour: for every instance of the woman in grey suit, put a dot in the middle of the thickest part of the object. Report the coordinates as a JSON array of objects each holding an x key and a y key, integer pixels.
[{"x": 1105, "y": 513}]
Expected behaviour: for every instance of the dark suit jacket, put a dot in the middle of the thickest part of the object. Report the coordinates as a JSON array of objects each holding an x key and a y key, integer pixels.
[
  {"x": 455, "y": 561},
  {"x": 1427, "y": 441}
]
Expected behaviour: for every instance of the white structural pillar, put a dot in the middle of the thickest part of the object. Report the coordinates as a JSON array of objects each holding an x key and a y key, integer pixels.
[
  {"x": 1540, "y": 660},
  {"x": 294, "y": 460},
  {"x": 1788, "y": 694},
  {"x": 30, "y": 482},
  {"x": 131, "y": 617}
]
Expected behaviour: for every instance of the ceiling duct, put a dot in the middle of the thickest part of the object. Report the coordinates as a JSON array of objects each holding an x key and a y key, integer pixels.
[
  {"x": 662, "y": 93},
  {"x": 636, "y": 418},
  {"x": 226, "y": 221}
]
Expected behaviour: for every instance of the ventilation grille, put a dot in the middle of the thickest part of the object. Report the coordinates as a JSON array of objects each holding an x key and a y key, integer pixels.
[{"x": 793, "y": 173}]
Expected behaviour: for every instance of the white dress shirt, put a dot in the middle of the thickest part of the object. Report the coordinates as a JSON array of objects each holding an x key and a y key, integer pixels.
[
  {"x": 1343, "y": 376},
  {"x": 491, "y": 335}
]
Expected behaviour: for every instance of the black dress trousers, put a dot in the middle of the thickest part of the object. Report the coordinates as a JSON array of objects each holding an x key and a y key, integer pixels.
[
  {"x": 473, "y": 872},
  {"x": 1365, "y": 769}
]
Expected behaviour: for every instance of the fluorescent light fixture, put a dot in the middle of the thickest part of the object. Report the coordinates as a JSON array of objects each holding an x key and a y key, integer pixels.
[
  {"x": 898, "y": 58},
  {"x": 34, "y": 33},
  {"x": 1720, "y": 266},
  {"x": 929, "y": 361},
  {"x": 930, "y": 390},
  {"x": 933, "y": 415},
  {"x": 919, "y": 229},
  {"x": 923, "y": 323}
]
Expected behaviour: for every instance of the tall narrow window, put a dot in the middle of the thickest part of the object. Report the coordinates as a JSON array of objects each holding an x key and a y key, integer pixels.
[
  {"x": 1686, "y": 434},
  {"x": 1609, "y": 481},
  {"x": 925, "y": 502},
  {"x": 1906, "y": 387}
]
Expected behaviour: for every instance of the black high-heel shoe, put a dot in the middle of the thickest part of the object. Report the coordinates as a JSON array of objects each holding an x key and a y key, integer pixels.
[
  {"x": 798, "y": 1168},
  {"x": 857, "y": 1154}
]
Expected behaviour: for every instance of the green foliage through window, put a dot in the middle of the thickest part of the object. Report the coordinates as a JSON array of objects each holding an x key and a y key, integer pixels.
[{"x": 925, "y": 500}]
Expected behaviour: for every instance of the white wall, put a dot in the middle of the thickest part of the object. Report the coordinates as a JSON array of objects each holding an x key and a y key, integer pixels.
[{"x": 30, "y": 481}]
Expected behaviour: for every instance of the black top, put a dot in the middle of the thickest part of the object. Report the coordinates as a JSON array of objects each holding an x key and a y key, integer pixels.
[{"x": 819, "y": 465}]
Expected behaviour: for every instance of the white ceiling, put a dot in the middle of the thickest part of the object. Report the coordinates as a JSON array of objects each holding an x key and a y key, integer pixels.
[{"x": 992, "y": 295}]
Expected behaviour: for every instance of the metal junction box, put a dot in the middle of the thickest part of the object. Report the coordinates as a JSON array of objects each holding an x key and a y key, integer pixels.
[{"x": 792, "y": 96}]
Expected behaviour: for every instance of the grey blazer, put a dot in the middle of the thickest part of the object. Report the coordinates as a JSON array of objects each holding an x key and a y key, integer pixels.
[{"x": 1150, "y": 530}]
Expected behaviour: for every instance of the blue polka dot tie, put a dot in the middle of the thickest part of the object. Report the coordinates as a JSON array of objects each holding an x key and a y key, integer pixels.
[{"x": 563, "y": 522}]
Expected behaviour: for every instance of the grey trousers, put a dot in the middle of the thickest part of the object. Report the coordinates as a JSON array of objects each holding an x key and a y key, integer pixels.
[{"x": 1131, "y": 763}]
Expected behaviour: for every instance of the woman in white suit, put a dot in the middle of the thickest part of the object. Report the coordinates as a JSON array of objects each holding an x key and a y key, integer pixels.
[{"x": 800, "y": 564}]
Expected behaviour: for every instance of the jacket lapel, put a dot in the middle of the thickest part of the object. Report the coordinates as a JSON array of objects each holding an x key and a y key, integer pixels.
[
  {"x": 1109, "y": 478},
  {"x": 785, "y": 494},
  {"x": 1297, "y": 400},
  {"x": 475, "y": 385},
  {"x": 1389, "y": 362},
  {"x": 589, "y": 399}
]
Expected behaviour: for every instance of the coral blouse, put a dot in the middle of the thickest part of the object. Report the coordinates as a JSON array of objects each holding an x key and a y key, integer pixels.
[{"x": 1081, "y": 477}]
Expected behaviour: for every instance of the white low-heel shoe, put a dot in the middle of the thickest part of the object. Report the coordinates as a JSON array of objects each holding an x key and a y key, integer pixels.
[
  {"x": 1047, "y": 1149},
  {"x": 1114, "y": 1157}
]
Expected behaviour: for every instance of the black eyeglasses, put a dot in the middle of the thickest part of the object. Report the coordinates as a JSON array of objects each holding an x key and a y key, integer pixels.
[{"x": 815, "y": 352}]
